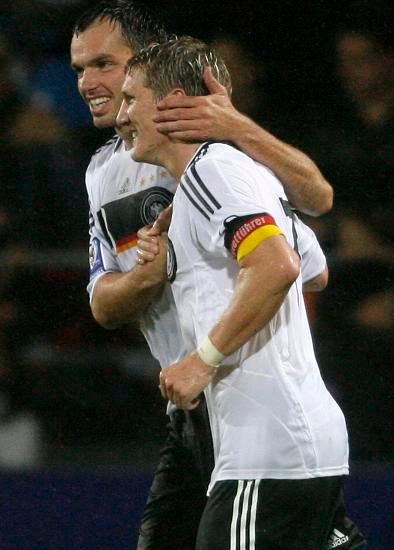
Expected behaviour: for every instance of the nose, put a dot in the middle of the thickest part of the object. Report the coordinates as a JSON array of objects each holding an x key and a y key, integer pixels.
[
  {"x": 123, "y": 118},
  {"x": 87, "y": 81}
]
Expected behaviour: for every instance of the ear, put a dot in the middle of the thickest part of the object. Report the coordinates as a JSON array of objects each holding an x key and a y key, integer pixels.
[{"x": 176, "y": 92}]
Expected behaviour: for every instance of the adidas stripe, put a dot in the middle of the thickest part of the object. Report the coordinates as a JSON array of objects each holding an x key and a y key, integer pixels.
[
  {"x": 198, "y": 193},
  {"x": 243, "y": 521}
]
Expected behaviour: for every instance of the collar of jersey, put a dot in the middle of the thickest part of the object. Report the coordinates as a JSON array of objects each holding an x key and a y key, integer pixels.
[{"x": 199, "y": 153}]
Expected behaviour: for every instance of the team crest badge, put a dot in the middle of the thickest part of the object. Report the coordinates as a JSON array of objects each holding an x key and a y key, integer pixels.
[
  {"x": 155, "y": 201},
  {"x": 171, "y": 262}
]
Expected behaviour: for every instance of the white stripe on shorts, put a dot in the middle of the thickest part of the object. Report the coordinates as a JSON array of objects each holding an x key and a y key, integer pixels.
[
  {"x": 240, "y": 512},
  {"x": 252, "y": 526}
]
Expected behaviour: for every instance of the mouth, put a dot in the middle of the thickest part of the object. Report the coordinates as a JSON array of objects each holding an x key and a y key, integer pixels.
[
  {"x": 130, "y": 139},
  {"x": 97, "y": 104}
]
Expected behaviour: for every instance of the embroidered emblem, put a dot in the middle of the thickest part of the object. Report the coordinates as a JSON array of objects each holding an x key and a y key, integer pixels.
[
  {"x": 153, "y": 203},
  {"x": 171, "y": 262}
]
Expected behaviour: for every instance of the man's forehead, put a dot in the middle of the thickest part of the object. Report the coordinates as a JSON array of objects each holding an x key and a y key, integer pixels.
[
  {"x": 102, "y": 36},
  {"x": 134, "y": 78}
]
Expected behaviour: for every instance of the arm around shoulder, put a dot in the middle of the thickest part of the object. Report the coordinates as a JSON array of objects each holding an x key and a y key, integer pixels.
[{"x": 305, "y": 185}]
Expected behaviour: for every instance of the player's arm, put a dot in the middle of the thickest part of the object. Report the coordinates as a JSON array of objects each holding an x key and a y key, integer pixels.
[
  {"x": 266, "y": 274},
  {"x": 214, "y": 117},
  {"x": 120, "y": 298},
  {"x": 316, "y": 284},
  {"x": 314, "y": 268}
]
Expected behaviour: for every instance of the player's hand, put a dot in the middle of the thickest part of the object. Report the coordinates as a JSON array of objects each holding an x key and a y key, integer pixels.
[
  {"x": 162, "y": 223},
  {"x": 147, "y": 245},
  {"x": 154, "y": 270},
  {"x": 182, "y": 382},
  {"x": 199, "y": 118}
]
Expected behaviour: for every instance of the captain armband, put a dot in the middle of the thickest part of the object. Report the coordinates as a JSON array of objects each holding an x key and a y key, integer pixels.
[{"x": 246, "y": 233}]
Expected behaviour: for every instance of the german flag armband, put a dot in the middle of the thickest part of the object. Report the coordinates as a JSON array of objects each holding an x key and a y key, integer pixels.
[{"x": 244, "y": 234}]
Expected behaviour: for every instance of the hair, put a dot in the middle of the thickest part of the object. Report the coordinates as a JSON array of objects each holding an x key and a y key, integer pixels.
[
  {"x": 137, "y": 27},
  {"x": 179, "y": 63}
]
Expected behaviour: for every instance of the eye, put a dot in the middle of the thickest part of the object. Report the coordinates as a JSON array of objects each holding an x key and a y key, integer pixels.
[
  {"x": 104, "y": 65},
  {"x": 128, "y": 99},
  {"x": 78, "y": 71}
]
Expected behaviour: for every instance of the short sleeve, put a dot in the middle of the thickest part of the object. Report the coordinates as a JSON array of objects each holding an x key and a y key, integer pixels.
[
  {"x": 101, "y": 258},
  {"x": 313, "y": 260},
  {"x": 230, "y": 198}
]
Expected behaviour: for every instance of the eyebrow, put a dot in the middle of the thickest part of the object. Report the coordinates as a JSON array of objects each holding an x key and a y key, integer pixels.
[{"x": 99, "y": 58}]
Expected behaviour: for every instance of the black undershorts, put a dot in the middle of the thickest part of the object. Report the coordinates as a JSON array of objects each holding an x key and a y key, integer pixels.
[{"x": 177, "y": 496}]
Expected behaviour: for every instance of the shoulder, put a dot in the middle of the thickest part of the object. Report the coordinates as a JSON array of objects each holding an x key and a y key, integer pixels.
[
  {"x": 228, "y": 158},
  {"x": 225, "y": 166},
  {"x": 105, "y": 152}
]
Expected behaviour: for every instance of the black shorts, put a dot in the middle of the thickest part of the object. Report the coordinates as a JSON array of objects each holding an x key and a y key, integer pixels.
[
  {"x": 177, "y": 496},
  {"x": 268, "y": 514}
]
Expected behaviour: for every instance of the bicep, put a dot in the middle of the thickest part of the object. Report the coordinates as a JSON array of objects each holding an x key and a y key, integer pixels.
[{"x": 272, "y": 263}]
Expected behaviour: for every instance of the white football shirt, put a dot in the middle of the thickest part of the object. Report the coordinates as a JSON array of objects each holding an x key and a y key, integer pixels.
[
  {"x": 271, "y": 414},
  {"x": 125, "y": 195}
]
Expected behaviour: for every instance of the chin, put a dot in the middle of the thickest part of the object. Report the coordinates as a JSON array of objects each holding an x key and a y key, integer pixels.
[
  {"x": 138, "y": 156},
  {"x": 103, "y": 122}
]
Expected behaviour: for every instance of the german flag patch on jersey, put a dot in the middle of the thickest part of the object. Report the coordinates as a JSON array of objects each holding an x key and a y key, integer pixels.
[{"x": 121, "y": 219}]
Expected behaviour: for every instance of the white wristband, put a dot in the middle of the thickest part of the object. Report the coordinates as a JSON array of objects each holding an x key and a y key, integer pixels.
[{"x": 209, "y": 354}]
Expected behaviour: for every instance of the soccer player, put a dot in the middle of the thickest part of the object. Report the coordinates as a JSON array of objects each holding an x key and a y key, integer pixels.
[
  {"x": 280, "y": 439},
  {"x": 123, "y": 197}
]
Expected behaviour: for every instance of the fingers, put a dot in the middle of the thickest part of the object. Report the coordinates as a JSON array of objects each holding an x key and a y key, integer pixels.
[
  {"x": 191, "y": 405},
  {"x": 147, "y": 247},
  {"x": 199, "y": 121},
  {"x": 177, "y": 113},
  {"x": 163, "y": 387},
  {"x": 178, "y": 102},
  {"x": 185, "y": 130},
  {"x": 162, "y": 223},
  {"x": 213, "y": 85},
  {"x": 169, "y": 393}
]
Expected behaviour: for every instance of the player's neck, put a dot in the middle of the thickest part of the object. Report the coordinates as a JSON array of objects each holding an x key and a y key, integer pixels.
[{"x": 178, "y": 157}]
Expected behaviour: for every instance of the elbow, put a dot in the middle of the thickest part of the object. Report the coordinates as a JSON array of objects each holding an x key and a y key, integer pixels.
[
  {"x": 104, "y": 317},
  {"x": 324, "y": 200},
  {"x": 327, "y": 199},
  {"x": 323, "y": 280},
  {"x": 289, "y": 270}
]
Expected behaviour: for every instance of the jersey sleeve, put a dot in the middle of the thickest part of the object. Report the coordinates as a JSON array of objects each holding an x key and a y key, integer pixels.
[
  {"x": 101, "y": 258},
  {"x": 313, "y": 260},
  {"x": 229, "y": 215}
]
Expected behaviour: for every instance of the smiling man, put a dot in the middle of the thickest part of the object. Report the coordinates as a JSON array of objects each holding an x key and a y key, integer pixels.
[
  {"x": 99, "y": 56},
  {"x": 235, "y": 253}
]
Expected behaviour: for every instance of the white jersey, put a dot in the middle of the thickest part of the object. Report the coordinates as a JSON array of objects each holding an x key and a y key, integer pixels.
[
  {"x": 271, "y": 414},
  {"x": 123, "y": 197}
]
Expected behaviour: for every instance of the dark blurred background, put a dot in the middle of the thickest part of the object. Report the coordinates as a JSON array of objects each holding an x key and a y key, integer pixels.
[{"x": 75, "y": 398}]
